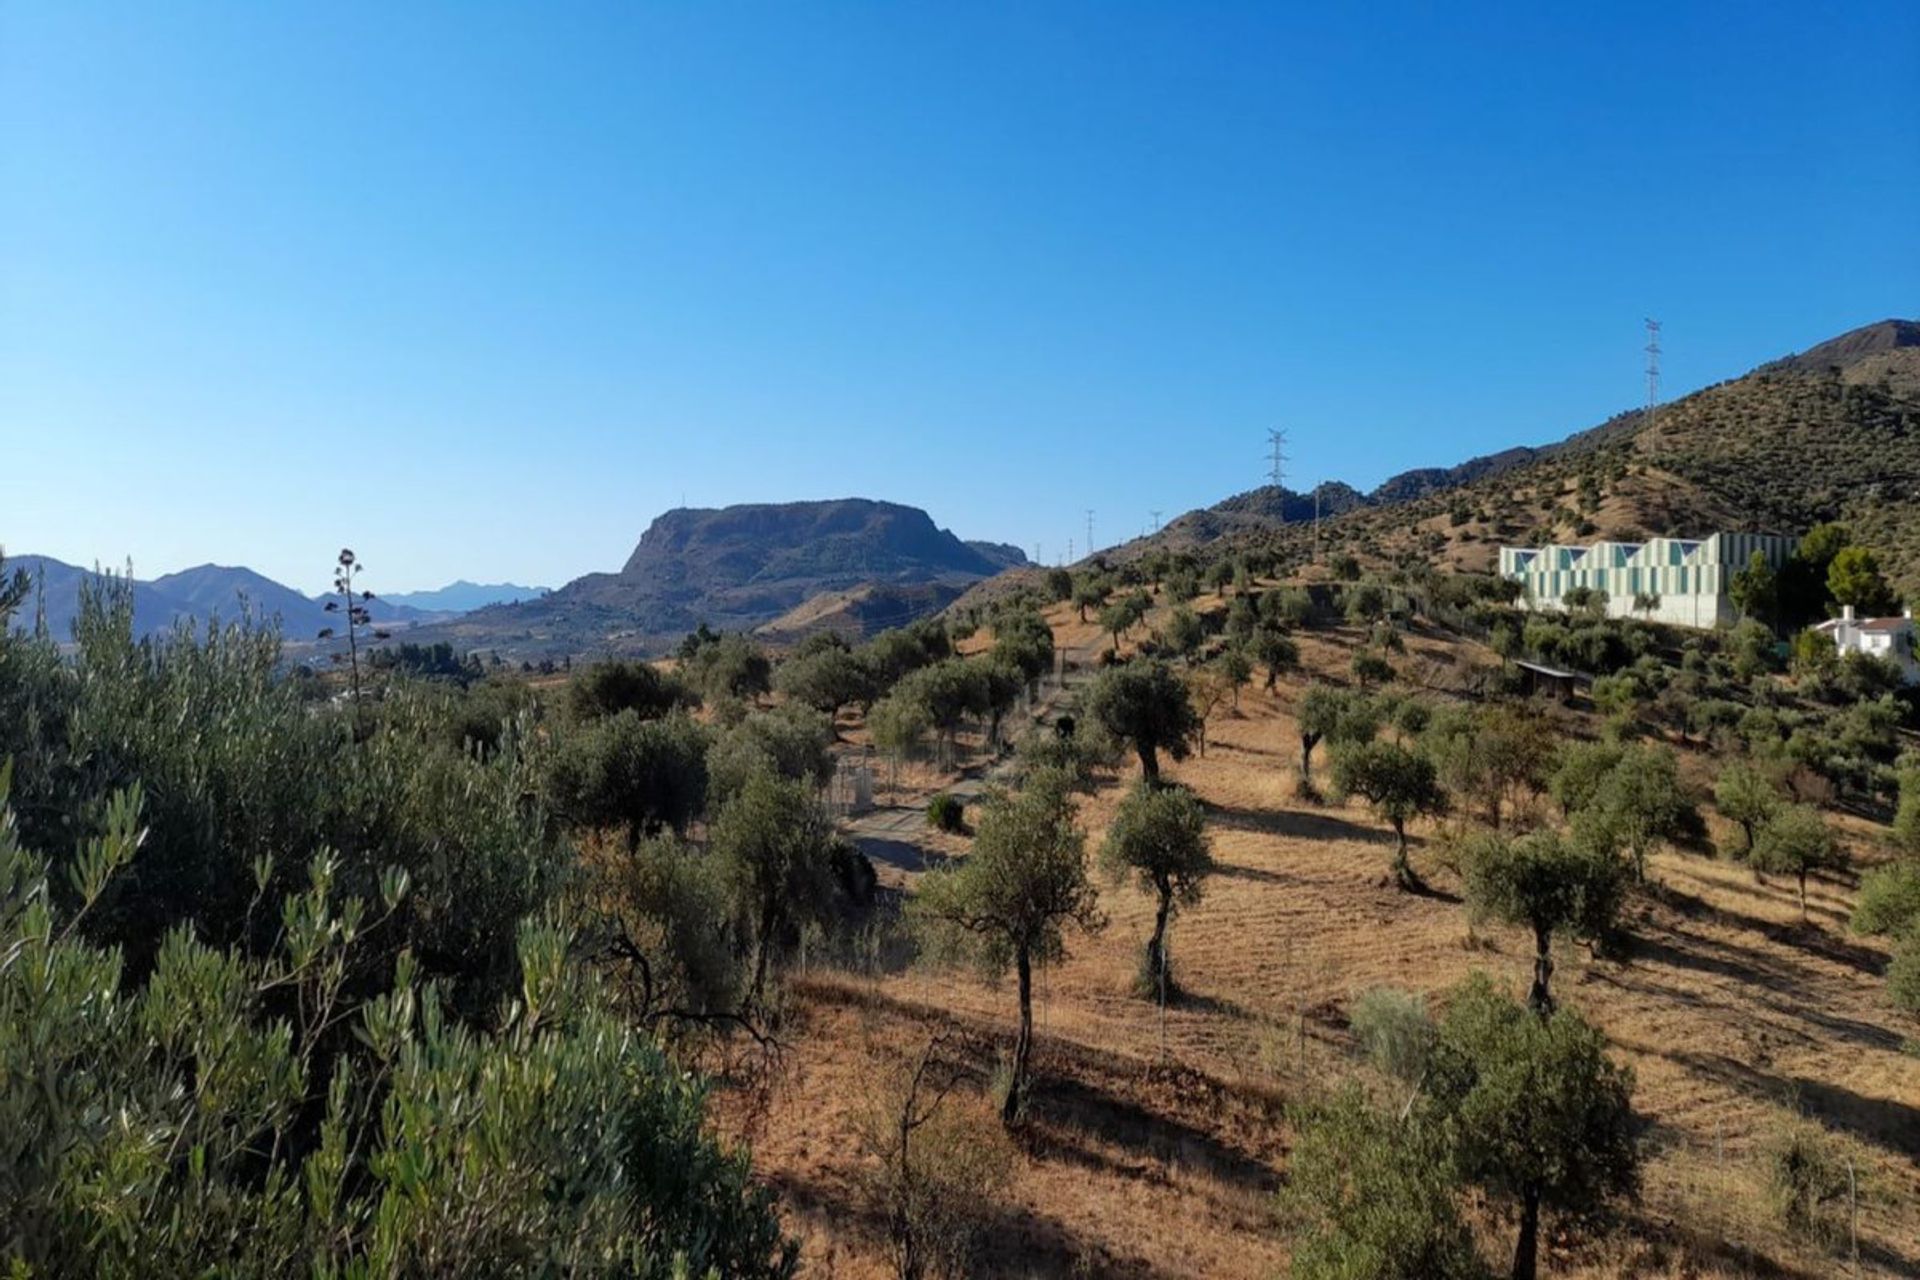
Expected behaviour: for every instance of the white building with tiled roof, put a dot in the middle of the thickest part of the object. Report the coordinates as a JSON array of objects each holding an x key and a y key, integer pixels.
[
  {"x": 1691, "y": 579},
  {"x": 1888, "y": 638}
]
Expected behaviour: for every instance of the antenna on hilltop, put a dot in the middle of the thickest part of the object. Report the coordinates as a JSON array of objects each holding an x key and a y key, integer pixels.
[
  {"x": 1156, "y": 520},
  {"x": 1653, "y": 370},
  {"x": 1089, "y": 530}
]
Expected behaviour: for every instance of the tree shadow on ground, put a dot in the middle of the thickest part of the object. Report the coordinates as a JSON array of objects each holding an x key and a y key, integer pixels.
[
  {"x": 1066, "y": 1112},
  {"x": 901, "y": 854},
  {"x": 1014, "y": 1240},
  {"x": 1287, "y": 822},
  {"x": 1796, "y": 935},
  {"x": 1882, "y": 1122},
  {"x": 1259, "y": 875},
  {"x": 1742, "y": 965}
]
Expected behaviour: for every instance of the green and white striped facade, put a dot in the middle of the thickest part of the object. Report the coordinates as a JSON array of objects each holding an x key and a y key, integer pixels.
[{"x": 1692, "y": 576}]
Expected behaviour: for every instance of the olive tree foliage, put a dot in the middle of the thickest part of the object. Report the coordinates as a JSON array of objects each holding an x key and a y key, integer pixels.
[
  {"x": 827, "y": 678},
  {"x": 1398, "y": 783},
  {"x": 240, "y": 766},
  {"x": 1123, "y": 615},
  {"x": 1334, "y": 715},
  {"x": 950, "y": 691},
  {"x": 1276, "y": 651},
  {"x": 780, "y": 858},
  {"x": 1145, "y": 705},
  {"x": 1159, "y": 837},
  {"x": 1889, "y": 904},
  {"x": 1549, "y": 884},
  {"x": 608, "y": 688},
  {"x": 1629, "y": 798},
  {"x": 1373, "y": 1196},
  {"x": 262, "y": 1116},
  {"x": 726, "y": 666},
  {"x": 631, "y": 775},
  {"x": 1796, "y": 842},
  {"x": 1747, "y": 798},
  {"x": 899, "y": 726},
  {"x": 791, "y": 742},
  {"x": 1541, "y": 1117},
  {"x": 1491, "y": 756},
  {"x": 666, "y": 910},
  {"x": 1012, "y": 899},
  {"x": 1184, "y": 632},
  {"x": 1023, "y": 640},
  {"x": 1906, "y": 817}
]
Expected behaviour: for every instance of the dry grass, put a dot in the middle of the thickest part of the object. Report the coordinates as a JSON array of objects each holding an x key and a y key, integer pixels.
[{"x": 1158, "y": 1138}]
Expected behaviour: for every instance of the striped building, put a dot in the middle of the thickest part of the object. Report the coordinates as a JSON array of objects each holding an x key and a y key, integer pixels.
[{"x": 1692, "y": 577}]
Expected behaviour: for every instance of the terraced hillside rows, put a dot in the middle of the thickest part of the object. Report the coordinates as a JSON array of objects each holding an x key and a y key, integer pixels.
[{"x": 1158, "y": 1137}]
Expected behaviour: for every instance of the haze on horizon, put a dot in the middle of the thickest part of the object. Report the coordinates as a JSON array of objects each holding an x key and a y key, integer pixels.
[{"x": 480, "y": 294}]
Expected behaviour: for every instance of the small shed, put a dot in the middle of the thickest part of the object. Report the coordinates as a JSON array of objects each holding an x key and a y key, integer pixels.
[{"x": 1538, "y": 679}]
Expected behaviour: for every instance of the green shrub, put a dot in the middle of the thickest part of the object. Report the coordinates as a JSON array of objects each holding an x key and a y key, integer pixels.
[
  {"x": 259, "y": 1117},
  {"x": 1395, "y": 1031},
  {"x": 1806, "y": 1182},
  {"x": 947, "y": 812}
]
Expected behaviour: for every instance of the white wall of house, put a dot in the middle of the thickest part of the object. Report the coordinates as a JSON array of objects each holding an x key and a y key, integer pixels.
[{"x": 1891, "y": 639}]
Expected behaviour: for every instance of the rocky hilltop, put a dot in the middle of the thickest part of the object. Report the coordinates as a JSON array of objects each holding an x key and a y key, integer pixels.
[{"x": 733, "y": 568}]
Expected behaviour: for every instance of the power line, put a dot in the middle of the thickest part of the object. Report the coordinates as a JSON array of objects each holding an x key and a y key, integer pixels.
[
  {"x": 1276, "y": 456},
  {"x": 1089, "y": 530},
  {"x": 1156, "y": 520}
]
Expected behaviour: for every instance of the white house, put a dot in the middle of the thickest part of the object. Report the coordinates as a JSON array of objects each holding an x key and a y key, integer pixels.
[
  {"x": 1888, "y": 638},
  {"x": 1687, "y": 581}
]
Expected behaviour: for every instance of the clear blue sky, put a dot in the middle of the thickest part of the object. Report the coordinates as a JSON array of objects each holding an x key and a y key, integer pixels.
[{"x": 480, "y": 289}]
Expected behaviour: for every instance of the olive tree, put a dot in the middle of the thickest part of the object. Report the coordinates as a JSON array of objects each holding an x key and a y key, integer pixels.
[
  {"x": 1373, "y": 1196},
  {"x": 1541, "y": 1117},
  {"x": 1796, "y": 841},
  {"x": 1159, "y": 836},
  {"x": 635, "y": 775},
  {"x": 1015, "y": 894},
  {"x": 608, "y": 688},
  {"x": 1635, "y": 805},
  {"x": 1145, "y": 704},
  {"x": 1549, "y": 885},
  {"x": 826, "y": 679},
  {"x": 1398, "y": 783},
  {"x": 778, "y": 847},
  {"x": 1335, "y": 715},
  {"x": 1276, "y": 651},
  {"x": 1745, "y": 797}
]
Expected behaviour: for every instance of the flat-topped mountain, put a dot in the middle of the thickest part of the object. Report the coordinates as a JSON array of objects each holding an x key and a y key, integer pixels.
[{"x": 733, "y": 568}]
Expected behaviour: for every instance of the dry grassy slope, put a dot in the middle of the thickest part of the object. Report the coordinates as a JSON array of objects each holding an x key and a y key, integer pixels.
[{"x": 1157, "y": 1142}]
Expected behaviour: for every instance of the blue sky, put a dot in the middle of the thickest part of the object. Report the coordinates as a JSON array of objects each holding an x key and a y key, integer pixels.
[{"x": 480, "y": 289}]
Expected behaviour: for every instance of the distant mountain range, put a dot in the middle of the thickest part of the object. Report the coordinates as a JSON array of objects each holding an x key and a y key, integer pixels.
[
  {"x": 737, "y": 568},
  {"x": 226, "y": 593},
  {"x": 464, "y": 597}
]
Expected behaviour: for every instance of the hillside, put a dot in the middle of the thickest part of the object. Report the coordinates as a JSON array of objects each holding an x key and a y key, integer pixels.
[
  {"x": 1158, "y": 1138},
  {"x": 1832, "y": 433},
  {"x": 735, "y": 568}
]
